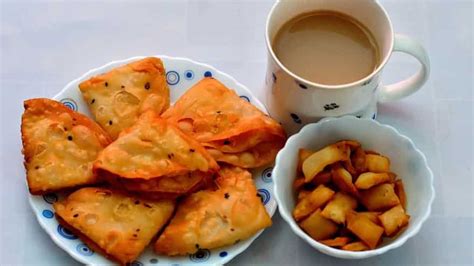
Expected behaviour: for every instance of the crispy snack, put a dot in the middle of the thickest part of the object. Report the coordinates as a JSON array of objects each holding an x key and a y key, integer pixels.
[
  {"x": 233, "y": 130},
  {"x": 323, "y": 177},
  {"x": 150, "y": 150},
  {"x": 358, "y": 159},
  {"x": 324, "y": 157},
  {"x": 336, "y": 242},
  {"x": 167, "y": 187},
  {"x": 337, "y": 208},
  {"x": 394, "y": 219},
  {"x": 59, "y": 146},
  {"x": 355, "y": 246},
  {"x": 302, "y": 194},
  {"x": 343, "y": 179},
  {"x": 364, "y": 229},
  {"x": 400, "y": 191},
  {"x": 377, "y": 163},
  {"x": 118, "y": 97},
  {"x": 345, "y": 184},
  {"x": 298, "y": 183},
  {"x": 303, "y": 154},
  {"x": 368, "y": 180},
  {"x": 349, "y": 167},
  {"x": 211, "y": 219},
  {"x": 379, "y": 197},
  {"x": 372, "y": 216},
  {"x": 313, "y": 201},
  {"x": 112, "y": 223},
  {"x": 318, "y": 227}
]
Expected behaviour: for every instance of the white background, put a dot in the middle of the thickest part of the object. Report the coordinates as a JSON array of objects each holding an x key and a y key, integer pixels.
[{"x": 45, "y": 45}]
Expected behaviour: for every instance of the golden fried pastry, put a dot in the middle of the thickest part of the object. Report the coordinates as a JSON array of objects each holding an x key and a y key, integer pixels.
[
  {"x": 167, "y": 187},
  {"x": 112, "y": 223},
  {"x": 59, "y": 145},
  {"x": 210, "y": 219},
  {"x": 233, "y": 130},
  {"x": 151, "y": 150},
  {"x": 118, "y": 97}
]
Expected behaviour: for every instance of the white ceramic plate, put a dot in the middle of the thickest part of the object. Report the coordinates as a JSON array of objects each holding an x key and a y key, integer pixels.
[{"x": 181, "y": 74}]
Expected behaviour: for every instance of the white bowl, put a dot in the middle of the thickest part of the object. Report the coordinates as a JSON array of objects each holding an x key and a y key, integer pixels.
[{"x": 407, "y": 162}]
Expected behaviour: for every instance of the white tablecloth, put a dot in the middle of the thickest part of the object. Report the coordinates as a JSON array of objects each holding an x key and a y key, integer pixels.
[{"x": 45, "y": 45}]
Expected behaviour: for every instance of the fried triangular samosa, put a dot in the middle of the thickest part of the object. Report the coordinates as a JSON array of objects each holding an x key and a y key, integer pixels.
[
  {"x": 150, "y": 150},
  {"x": 210, "y": 219},
  {"x": 233, "y": 130},
  {"x": 118, "y": 97},
  {"x": 59, "y": 145},
  {"x": 112, "y": 223}
]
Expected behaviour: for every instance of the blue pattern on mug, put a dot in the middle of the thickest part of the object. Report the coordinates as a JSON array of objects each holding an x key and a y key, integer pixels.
[
  {"x": 245, "y": 98},
  {"x": 65, "y": 233},
  {"x": 50, "y": 198},
  {"x": 48, "y": 214},
  {"x": 84, "y": 250},
  {"x": 201, "y": 255},
  {"x": 374, "y": 116},
  {"x": 264, "y": 195},
  {"x": 69, "y": 103},
  {"x": 208, "y": 74},
  {"x": 267, "y": 175},
  {"x": 274, "y": 77},
  {"x": 295, "y": 118},
  {"x": 301, "y": 85},
  {"x": 366, "y": 82},
  {"x": 188, "y": 74},
  {"x": 331, "y": 106},
  {"x": 172, "y": 77}
]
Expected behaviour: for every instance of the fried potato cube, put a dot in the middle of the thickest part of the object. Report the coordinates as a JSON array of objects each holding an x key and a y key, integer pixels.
[
  {"x": 326, "y": 156},
  {"x": 343, "y": 179},
  {"x": 364, "y": 229},
  {"x": 373, "y": 216},
  {"x": 400, "y": 191},
  {"x": 336, "y": 242},
  {"x": 358, "y": 159},
  {"x": 337, "y": 208},
  {"x": 380, "y": 197},
  {"x": 394, "y": 219},
  {"x": 298, "y": 183},
  {"x": 311, "y": 202},
  {"x": 349, "y": 167},
  {"x": 353, "y": 144},
  {"x": 355, "y": 246},
  {"x": 302, "y": 194},
  {"x": 392, "y": 176},
  {"x": 318, "y": 227},
  {"x": 303, "y": 154},
  {"x": 369, "y": 179},
  {"x": 377, "y": 163},
  {"x": 323, "y": 177},
  {"x": 371, "y": 152}
]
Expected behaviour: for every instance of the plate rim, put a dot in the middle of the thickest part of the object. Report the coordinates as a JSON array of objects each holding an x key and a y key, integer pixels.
[{"x": 97, "y": 70}]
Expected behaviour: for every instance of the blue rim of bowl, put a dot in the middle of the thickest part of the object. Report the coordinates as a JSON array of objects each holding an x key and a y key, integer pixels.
[
  {"x": 255, "y": 101},
  {"x": 353, "y": 254}
]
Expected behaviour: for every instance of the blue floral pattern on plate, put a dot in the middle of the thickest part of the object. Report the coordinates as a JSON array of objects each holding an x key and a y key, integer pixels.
[{"x": 181, "y": 75}]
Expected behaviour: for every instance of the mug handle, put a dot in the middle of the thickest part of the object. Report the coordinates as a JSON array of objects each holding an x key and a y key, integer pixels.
[{"x": 406, "y": 87}]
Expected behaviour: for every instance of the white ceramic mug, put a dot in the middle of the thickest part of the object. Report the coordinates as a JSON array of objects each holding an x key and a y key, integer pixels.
[{"x": 295, "y": 101}]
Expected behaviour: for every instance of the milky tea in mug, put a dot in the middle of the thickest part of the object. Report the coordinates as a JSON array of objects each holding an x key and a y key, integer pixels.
[
  {"x": 326, "y": 58},
  {"x": 326, "y": 47}
]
